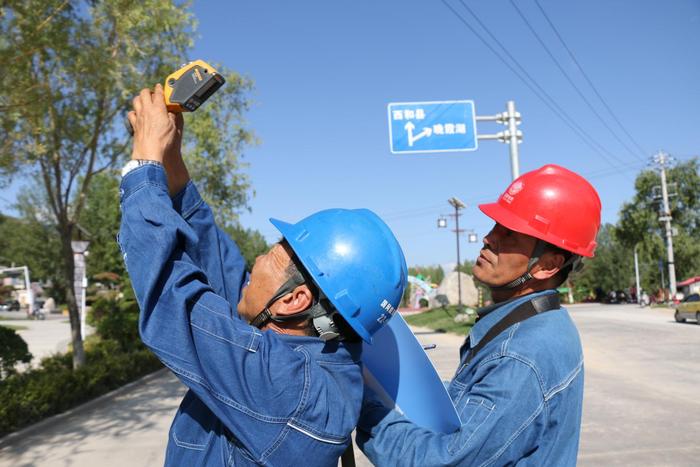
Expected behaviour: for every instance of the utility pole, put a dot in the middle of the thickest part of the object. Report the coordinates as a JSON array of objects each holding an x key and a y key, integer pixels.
[
  {"x": 472, "y": 237},
  {"x": 662, "y": 160},
  {"x": 636, "y": 275},
  {"x": 457, "y": 204}
]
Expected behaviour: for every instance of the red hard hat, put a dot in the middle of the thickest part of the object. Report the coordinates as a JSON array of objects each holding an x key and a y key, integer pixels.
[{"x": 553, "y": 204}]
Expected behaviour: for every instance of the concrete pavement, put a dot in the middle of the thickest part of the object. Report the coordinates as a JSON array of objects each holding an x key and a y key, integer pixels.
[
  {"x": 642, "y": 387},
  {"x": 640, "y": 405},
  {"x": 44, "y": 338},
  {"x": 128, "y": 427}
]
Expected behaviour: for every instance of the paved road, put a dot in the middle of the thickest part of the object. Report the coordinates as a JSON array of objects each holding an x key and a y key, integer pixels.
[
  {"x": 44, "y": 338},
  {"x": 642, "y": 404},
  {"x": 642, "y": 387}
]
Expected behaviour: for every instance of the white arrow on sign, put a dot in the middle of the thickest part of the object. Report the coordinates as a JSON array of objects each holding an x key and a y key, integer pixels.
[{"x": 412, "y": 139}]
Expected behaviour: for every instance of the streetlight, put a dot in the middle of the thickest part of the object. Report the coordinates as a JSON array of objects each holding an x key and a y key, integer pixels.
[
  {"x": 79, "y": 248},
  {"x": 472, "y": 238}
]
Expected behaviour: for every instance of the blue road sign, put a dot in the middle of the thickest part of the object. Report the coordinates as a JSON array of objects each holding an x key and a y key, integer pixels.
[{"x": 438, "y": 126}]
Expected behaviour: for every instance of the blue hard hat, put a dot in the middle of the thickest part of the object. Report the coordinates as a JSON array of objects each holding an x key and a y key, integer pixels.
[{"x": 355, "y": 260}]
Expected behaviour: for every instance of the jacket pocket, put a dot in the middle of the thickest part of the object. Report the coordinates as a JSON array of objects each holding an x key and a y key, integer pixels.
[{"x": 193, "y": 427}]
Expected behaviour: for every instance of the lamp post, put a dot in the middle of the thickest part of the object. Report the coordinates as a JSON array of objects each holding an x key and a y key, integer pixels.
[
  {"x": 472, "y": 238},
  {"x": 79, "y": 248}
]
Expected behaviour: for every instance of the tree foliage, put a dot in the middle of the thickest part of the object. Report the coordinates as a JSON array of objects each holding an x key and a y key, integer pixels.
[
  {"x": 214, "y": 138},
  {"x": 638, "y": 225},
  {"x": 70, "y": 68},
  {"x": 249, "y": 241},
  {"x": 13, "y": 350},
  {"x": 610, "y": 269},
  {"x": 430, "y": 274},
  {"x": 101, "y": 221},
  {"x": 29, "y": 240}
]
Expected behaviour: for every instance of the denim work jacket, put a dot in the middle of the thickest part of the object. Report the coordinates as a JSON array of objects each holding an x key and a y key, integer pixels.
[
  {"x": 255, "y": 398},
  {"x": 519, "y": 401}
]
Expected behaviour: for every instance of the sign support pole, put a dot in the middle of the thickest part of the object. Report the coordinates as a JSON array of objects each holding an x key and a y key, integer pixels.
[
  {"x": 511, "y": 136},
  {"x": 513, "y": 130}
]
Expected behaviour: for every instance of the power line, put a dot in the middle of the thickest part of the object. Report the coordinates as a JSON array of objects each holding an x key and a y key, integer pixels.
[
  {"x": 414, "y": 212},
  {"x": 473, "y": 202},
  {"x": 588, "y": 80},
  {"x": 537, "y": 89},
  {"x": 572, "y": 83}
]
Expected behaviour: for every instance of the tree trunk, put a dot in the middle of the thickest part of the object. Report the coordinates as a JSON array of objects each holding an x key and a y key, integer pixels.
[{"x": 73, "y": 312}]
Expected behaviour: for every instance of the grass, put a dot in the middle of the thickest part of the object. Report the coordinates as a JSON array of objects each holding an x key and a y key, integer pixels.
[
  {"x": 440, "y": 320},
  {"x": 16, "y": 327}
]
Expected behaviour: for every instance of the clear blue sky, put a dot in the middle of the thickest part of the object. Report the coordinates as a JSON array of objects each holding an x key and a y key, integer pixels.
[{"x": 324, "y": 72}]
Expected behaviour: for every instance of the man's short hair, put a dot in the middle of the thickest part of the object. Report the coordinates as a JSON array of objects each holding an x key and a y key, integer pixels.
[
  {"x": 295, "y": 267},
  {"x": 563, "y": 274}
]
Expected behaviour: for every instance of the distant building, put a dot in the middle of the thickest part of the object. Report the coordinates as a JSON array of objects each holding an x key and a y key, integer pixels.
[{"x": 690, "y": 286}]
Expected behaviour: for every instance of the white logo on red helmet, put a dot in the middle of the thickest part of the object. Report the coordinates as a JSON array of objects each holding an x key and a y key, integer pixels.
[
  {"x": 515, "y": 187},
  {"x": 513, "y": 190}
]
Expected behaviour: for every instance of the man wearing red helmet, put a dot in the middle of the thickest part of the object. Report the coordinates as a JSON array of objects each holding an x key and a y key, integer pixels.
[{"x": 519, "y": 386}]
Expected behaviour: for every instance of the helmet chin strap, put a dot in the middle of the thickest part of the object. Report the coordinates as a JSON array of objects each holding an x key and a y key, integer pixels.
[
  {"x": 318, "y": 312},
  {"x": 540, "y": 246}
]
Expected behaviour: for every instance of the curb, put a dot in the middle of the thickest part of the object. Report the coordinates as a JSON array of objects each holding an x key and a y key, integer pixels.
[{"x": 54, "y": 419}]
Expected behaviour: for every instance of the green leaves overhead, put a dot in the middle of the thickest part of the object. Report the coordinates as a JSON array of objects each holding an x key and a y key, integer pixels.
[{"x": 69, "y": 71}]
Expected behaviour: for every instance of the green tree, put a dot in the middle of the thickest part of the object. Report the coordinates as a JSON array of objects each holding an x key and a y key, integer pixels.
[
  {"x": 430, "y": 274},
  {"x": 249, "y": 241},
  {"x": 13, "y": 350},
  {"x": 639, "y": 223},
  {"x": 101, "y": 220},
  {"x": 611, "y": 268},
  {"x": 29, "y": 240},
  {"x": 69, "y": 70}
]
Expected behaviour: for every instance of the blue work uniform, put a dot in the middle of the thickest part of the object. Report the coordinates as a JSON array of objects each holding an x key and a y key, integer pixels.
[
  {"x": 519, "y": 400},
  {"x": 255, "y": 398}
]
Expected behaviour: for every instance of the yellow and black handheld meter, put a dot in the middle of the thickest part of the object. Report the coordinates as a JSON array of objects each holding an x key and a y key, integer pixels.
[{"x": 189, "y": 87}]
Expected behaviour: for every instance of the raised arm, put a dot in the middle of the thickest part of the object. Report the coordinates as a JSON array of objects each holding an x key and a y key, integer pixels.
[
  {"x": 230, "y": 365},
  {"x": 213, "y": 251}
]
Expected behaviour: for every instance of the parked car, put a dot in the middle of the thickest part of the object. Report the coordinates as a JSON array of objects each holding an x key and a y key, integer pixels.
[
  {"x": 689, "y": 307},
  {"x": 9, "y": 305}
]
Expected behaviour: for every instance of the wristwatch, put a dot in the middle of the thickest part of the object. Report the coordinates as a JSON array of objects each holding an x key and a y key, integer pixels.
[{"x": 135, "y": 163}]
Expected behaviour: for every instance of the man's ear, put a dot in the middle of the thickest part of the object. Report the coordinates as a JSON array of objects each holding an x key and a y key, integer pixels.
[
  {"x": 295, "y": 302},
  {"x": 549, "y": 265}
]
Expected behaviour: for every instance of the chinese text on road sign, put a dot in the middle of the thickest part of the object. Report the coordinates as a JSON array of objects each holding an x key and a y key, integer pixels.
[{"x": 432, "y": 126}]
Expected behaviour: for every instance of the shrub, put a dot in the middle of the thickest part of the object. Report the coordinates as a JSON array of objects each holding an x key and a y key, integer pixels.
[
  {"x": 114, "y": 357},
  {"x": 13, "y": 350},
  {"x": 118, "y": 320},
  {"x": 28, "y": 397}
]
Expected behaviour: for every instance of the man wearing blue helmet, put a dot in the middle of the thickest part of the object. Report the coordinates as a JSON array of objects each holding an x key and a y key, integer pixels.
[{"x": 285, "y": 389}]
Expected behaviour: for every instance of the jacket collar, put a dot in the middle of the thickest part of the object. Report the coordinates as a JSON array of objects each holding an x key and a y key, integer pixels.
[
  {"x": 492, "y": 314},
  {"x": 329, "y": 352}
]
